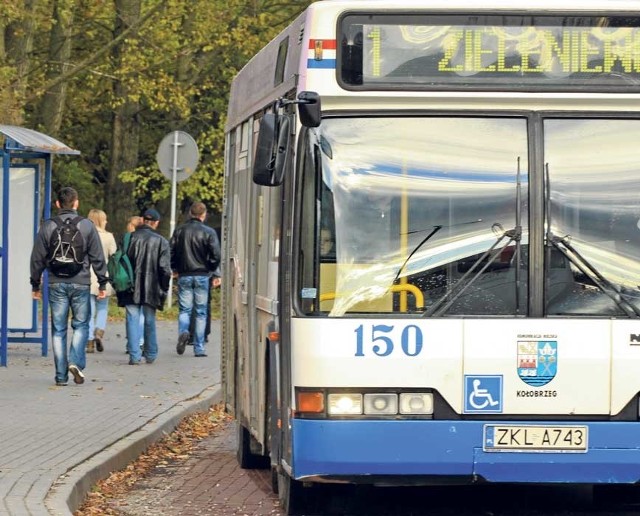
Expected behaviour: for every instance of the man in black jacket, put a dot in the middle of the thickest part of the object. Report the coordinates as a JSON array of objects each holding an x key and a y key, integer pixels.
[
  {"x": 68, "y": 288},
  {"x": 150, "y": 260},
  {"x": 195, "y": 257}
]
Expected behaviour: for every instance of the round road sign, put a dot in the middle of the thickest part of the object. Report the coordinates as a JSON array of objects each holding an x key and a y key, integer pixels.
[{"x": 177, "y": 150}]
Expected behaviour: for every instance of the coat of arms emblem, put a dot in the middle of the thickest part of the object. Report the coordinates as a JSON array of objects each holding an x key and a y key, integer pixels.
[{"x": 537, "y": 361}]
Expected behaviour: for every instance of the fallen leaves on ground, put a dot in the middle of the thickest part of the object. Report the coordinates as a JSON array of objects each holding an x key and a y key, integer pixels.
[{"x": 176, "y": 446}]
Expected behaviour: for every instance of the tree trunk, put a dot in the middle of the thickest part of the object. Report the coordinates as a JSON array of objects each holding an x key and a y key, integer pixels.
[
  {"x": 19, "y": 44},
  {"x": 125, "y": 138},
  {"x": 53, "y": 101}
]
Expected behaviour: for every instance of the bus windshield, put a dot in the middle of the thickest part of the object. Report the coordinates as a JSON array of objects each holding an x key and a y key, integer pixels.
[
  {"x": 396, "y": 218},
  {"x": 404, "y": 215}
]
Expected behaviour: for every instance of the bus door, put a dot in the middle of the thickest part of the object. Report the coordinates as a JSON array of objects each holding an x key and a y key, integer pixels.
[
  {"x": 267, "y": 249},
  {"x": 240, "y": 259}
]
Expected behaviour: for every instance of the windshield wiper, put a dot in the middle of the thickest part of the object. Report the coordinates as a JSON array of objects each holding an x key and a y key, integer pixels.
[
  {"x": 424, "y": 240},
  {"x": 415, "y": 249},
  {"x": 571, "y": 253},
  {"x": 607, "y": 287},
  {"x": 492, "y": 253},
  {"x": 514, "y": 235}
]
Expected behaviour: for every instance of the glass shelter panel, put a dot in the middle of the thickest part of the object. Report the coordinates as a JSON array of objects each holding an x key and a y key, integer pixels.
[
  {"x": 593, "y": 217},
  {"x": 422, "y": 215}
]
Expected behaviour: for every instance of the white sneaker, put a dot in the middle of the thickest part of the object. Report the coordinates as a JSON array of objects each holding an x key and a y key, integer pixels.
[{"x": 78, "y": 376}]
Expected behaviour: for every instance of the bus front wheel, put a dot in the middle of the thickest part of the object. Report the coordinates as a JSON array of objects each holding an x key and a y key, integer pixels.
[{"x": 292, "y": 498}]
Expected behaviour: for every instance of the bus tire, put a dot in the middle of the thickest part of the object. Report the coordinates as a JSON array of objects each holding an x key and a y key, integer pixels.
[
  {"x": 246, "y": 458},
  {"x": 292, "y": 499},
  {"x": 274, "y": 480}
]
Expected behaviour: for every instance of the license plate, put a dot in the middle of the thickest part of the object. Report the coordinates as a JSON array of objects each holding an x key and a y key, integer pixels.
[{"x": 507, "y": 438}]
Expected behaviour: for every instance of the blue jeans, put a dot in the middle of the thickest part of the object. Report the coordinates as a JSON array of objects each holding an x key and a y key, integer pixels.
[
  {"x": 62, "y": 297},
  {"x": 141, "y": 328},
  {"x": 98, "y": 319},
  {"x": 193, "y": 292},
  {"x": 133, "y": 332}
]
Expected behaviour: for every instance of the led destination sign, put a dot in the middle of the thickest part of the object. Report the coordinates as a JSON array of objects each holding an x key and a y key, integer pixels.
[
  {"x": 570, "y": 53},
  {"x": 535, "y": 50}
]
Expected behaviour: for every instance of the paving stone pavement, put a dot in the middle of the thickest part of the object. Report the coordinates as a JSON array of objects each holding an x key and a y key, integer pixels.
[
  {"x": 57, "y": 442},
  {"x": 209, "y": 482}
]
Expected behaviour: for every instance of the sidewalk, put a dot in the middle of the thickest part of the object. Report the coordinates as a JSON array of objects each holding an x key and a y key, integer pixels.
[{"x": 57, "y": 442}]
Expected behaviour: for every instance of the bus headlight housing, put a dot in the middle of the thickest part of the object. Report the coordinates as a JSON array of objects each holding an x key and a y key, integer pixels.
[
  {"x": 416, "y": 403},
  {"x": 381, "y": 403},
  {"x": 344, "y": 404},
  {"x": 353, "y": 403}
]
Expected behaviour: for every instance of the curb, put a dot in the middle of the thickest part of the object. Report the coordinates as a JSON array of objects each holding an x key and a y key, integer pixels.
[{"x": 69, "y": 491}]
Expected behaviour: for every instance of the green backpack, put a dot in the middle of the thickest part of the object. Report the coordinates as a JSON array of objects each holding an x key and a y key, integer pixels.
[{"x": 119, "y": 268}]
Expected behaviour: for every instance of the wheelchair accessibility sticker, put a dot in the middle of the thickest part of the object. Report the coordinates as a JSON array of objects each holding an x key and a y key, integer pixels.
[{"x": 483, "y": 394}]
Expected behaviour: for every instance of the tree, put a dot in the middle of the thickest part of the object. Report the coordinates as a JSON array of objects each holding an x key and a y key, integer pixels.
[
  {"x": 111, "y": 79},
  {"x": 59, "y": 54},
  {"x": 202, "y": 45},
  {"x": 18, "y": 31},
  {"x": 125, "y": 135}
]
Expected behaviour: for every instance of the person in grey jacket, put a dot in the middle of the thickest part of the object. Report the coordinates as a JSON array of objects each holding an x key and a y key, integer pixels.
[{"x": 68, "y": 292}]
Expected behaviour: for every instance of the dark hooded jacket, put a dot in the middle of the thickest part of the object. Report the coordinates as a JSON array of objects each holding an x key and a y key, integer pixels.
[
  {"x": 150, "y": 259},
  {"x": 94, "y": 255}
]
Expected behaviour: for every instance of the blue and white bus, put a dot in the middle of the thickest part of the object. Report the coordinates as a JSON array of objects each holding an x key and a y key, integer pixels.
[{"x": 432, "y": 245}]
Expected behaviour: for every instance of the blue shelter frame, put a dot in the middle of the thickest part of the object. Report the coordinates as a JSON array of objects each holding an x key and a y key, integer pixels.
[{"x": 25, "y": 149}]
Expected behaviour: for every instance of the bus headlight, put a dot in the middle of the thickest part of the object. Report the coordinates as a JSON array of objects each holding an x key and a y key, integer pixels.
[
  {"x": 416, "y": 403},
  {"x": 344, "y": 403},
  {"x": 383, "y": 403}
]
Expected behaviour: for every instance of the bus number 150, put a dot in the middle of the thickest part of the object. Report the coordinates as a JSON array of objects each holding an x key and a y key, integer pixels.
[{"x": 383, "y": 341}]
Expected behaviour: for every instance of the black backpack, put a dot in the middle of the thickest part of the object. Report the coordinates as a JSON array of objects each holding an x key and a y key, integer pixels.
[{"x": 66, "y": 248}]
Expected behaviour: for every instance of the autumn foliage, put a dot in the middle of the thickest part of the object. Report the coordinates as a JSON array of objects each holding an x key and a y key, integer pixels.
[
  {"x": 176, "y": 446},
  {"x": 112, "y": 78}
]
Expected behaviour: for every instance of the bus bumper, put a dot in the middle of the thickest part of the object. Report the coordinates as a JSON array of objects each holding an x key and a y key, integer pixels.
[{"x": 348, "y": 449}]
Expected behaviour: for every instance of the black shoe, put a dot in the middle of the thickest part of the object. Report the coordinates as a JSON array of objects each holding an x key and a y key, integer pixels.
[
  {"x": 61, "y": 383},
  {"x": 201, "y": 355},
  {"x": 135, "y": 362},
  {"x": 78, "y": 377},
  {"x": 99, "y": 333},
  {"x": 182, "y": 342}
]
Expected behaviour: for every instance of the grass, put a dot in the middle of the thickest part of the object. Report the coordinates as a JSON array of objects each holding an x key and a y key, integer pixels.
[{"x": 169, "y": 313}]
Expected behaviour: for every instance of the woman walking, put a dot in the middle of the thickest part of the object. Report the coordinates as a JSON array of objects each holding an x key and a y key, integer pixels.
[{"x": 99, "y": 307}]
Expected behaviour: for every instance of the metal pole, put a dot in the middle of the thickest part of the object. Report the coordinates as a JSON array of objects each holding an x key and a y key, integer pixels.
[
  {"x": 4, "y": 256},
  {"x": 174, "y": 188},
  {"x": 48, "y": 165}
]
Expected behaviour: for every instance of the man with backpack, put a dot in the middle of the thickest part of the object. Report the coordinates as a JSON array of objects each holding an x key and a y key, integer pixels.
[
  {"x": 148, "y": 254},
  {"x": 67, "y": 246}
]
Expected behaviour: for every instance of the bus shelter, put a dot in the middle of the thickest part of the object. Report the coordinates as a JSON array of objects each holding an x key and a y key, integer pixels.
[{"x": 25, "y": 191}]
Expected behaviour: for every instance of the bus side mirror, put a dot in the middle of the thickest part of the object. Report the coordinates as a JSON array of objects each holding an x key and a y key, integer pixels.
[
  {"x": 309, "y": 108},
  {"x": 271, "y": 150}
]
